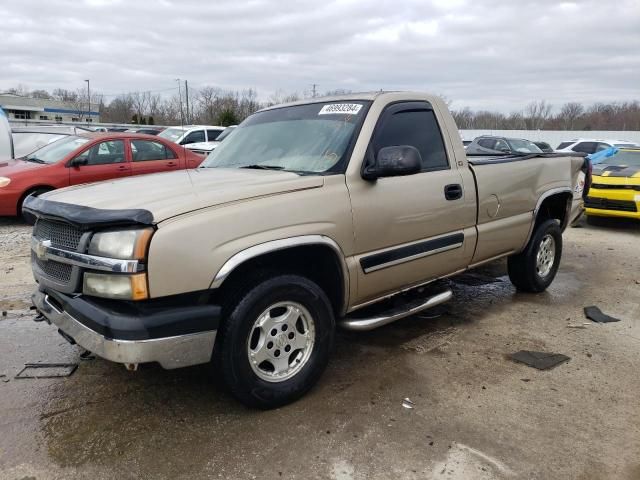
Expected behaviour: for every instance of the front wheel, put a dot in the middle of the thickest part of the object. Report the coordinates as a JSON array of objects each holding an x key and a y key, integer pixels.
[
  {"x": 276, "y": 341},
  {"x": 534, "y": 269}
]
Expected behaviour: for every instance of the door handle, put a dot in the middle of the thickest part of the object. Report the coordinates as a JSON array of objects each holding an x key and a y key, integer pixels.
[
  {"x": 122, "y": 168},
  {"x": 453, "y": 191},
  {"x": 171, "y": 164}
]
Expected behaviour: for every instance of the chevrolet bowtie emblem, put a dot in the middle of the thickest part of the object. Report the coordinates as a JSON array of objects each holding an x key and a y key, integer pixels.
[{"x": 41, "y": 247}]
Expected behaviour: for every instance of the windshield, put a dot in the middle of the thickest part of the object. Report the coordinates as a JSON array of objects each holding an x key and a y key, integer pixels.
[
  {"x": 25, "y": 143},
  {"x": 623, "y": 158},
  {"x": 56, "y": 151},
  {"x": 225, "y": 133},
  {"x": 523, "y": 146},
  {"x": 172, "y": 134},
  {"x": 311, "y": 138}
]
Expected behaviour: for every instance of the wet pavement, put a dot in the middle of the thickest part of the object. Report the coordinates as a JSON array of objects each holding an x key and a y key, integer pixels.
[{"x": 476, "y": 415}]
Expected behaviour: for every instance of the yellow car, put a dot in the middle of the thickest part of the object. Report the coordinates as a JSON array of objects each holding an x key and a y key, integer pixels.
[{"x": 615, "y": 187}]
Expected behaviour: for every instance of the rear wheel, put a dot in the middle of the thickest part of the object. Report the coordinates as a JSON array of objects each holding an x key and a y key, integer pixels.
[
  {"x": 534, "y": 269},
  {"x": 276, "y": 341}
]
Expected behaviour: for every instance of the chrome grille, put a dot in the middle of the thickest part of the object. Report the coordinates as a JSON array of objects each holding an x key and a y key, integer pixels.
[
  {"x": 60, "y": 272},
  {"x": 61, "y": 276},
  {"x": 61, "y": 235}
]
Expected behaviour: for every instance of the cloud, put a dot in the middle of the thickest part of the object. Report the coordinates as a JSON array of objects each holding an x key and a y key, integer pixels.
[{"x": 486, "y": 54}]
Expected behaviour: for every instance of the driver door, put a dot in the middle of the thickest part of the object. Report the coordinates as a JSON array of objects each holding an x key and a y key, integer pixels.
[
  {"x": 410, "y": 229},
  {"x": 102, "y": 161}
]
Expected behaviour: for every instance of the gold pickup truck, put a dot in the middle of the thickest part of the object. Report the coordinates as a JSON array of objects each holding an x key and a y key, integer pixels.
[{"x": 309, "y": 215}]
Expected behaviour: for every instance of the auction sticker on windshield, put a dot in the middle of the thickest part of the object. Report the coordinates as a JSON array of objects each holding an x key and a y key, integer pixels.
[{"x": 340, "y": 108}]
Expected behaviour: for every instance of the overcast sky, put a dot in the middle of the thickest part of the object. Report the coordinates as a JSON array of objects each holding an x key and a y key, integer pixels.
[{"x": 489, "y": 54}]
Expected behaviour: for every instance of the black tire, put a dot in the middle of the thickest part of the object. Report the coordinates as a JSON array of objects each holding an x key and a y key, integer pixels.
[
  {"x": 523, "y": 271},
  {"x": 231, "y": 353}
]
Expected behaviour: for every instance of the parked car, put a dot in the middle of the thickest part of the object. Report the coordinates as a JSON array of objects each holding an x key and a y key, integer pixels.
[
  {"x": 84, "y": 158},
  {"x": 191, "y": 134},
  {"x": 29, "y": 139},
  {"x": 615, "y": 189},
  {"x": 309, "y": 215},
  {"x": 145, "y": 130},
  {"x": 589, "y": 145},
  {"x": 205, "y": 148},
  {"x": 544, "y": 146},
  {"x": 490, "y": 145}
]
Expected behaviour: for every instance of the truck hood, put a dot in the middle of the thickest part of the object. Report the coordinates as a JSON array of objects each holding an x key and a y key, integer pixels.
[{"x": 166, "y": 195}]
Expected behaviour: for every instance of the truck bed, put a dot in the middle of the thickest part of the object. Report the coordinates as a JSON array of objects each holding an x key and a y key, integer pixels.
[{"x": 508, "y": 188}]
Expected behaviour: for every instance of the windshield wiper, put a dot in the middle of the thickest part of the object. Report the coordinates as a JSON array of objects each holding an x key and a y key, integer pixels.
[
  {"x": 33, "y": 159},
  {"x": 263, "y": 167}
]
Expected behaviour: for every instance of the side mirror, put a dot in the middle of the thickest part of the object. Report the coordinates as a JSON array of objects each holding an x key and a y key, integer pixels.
[
  {"x": 394, "y": 161},
  {"x": 78, "y": 161}
]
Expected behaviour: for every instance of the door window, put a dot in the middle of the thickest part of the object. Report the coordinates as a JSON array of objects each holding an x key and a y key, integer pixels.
[
  {"x": 585, "y": 147},
  {"x": 414, "y": 125},
  {"x": 213, "y": 134},
  {"x": 502, "y": 146},
  {"x": 487, "y": 143},
  {"x": 602, "y": 146},
  {"x": 194, "y": 137},
  {"x": 111, "y": 151},
  {"x": 143, "y": 150}
]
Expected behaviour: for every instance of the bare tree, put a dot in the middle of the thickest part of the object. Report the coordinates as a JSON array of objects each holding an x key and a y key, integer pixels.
[
  {"x": 64, "y": 95},
  {"x": 140, "y": 103},
  {"x": 40, "y": 94},
  {"x": 21, "y": 90},
  {"x": 464, "y": 118},
  {"x": 569, "y": 114},
  {"x": 536, "y": 114},
  {"x": 119, "y": 110},
  {"x": 80, "y": 103}
]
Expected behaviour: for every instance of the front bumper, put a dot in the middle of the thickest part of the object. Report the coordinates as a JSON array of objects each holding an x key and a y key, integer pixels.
[
  {"x": 613, "y": 204},
  {"x": 173, "y": 336}
]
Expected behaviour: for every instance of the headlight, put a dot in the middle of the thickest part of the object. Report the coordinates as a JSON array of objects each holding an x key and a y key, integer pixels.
[
  {"x": 122, "y": 287},
  {"x": 4, "y": 181},
  {"x": 123, "y": 244}
]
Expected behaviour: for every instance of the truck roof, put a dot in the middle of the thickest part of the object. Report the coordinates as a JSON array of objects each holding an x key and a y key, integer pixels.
[{"x": 357, "y": 96}]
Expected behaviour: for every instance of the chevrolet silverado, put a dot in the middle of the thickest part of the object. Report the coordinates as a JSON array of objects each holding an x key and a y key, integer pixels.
[{"x": 311, "y": 215}]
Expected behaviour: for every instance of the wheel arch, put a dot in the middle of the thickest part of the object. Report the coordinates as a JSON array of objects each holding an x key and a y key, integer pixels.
[
  {"x": 552, "y": 204},
  {"x": 318, "y": 257}
]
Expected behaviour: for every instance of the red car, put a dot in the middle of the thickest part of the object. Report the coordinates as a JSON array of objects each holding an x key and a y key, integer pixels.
[{"x": 85, "y": 158}]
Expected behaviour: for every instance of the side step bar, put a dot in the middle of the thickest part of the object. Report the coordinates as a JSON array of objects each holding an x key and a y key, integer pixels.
[{"x": 406, "y": 310}]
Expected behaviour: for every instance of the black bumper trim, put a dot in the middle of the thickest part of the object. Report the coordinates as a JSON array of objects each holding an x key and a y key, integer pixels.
[{"x": 151, "y": 319}]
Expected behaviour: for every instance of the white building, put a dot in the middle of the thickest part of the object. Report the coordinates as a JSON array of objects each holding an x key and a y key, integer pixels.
[{"x": 18, "y": 107}]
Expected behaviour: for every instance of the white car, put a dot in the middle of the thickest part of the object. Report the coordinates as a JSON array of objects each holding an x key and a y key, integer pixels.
[
  {"x": 205, "y": 148},
  {"x": 188, "y": 134},
  {"x": 590, "y": 145}
]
